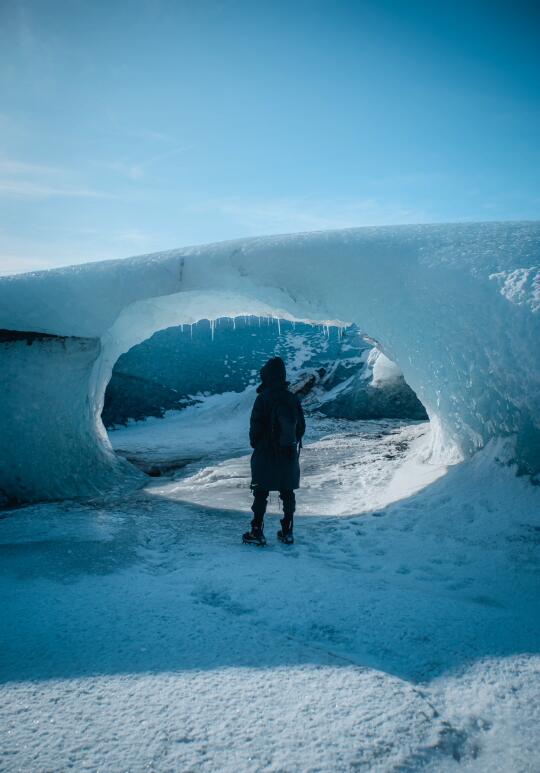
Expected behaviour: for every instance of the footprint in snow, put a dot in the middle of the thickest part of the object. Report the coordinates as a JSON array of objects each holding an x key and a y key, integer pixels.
[{"x": 220, "y": 600}]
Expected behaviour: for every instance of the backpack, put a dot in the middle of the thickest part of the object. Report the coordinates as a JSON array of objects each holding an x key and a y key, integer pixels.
[{"x": 283, "y": 426}]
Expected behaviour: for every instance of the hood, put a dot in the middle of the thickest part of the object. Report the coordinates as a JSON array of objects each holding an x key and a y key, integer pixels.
[{"x": 273, "y": 374}]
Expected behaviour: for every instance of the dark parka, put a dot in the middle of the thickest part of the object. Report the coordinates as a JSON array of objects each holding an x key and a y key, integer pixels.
[{"x": 272, "y": 470}]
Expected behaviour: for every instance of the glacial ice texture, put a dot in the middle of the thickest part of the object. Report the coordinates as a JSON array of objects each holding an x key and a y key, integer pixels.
[{"x": 456, "y": 307}]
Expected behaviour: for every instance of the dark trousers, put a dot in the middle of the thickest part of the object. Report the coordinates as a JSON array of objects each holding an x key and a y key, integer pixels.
[{"x": 260, "y": 498}]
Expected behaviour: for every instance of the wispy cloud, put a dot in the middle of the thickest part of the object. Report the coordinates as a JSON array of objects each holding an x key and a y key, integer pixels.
[
  {"x": 133, "y": 237},
  {"x": 307, "y": 213},
  {"x": 22, "y": 179},
  {"x": 136, "y": 170},
  {"x": 149, "y": 135},
  {"x": 24, "y": 188},
  {"x": 17, "y": 264},
  {"x": 33, "y": 50},
  {"x": 64, "y": 245},
  {"x": 12, "y": 167}
]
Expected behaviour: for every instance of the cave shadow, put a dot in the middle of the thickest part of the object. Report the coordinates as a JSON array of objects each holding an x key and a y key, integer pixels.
[{"x": 155, "y": 585}]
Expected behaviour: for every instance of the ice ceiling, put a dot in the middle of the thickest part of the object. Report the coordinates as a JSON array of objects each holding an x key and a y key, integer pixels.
[{"x": 457, "y": 307}]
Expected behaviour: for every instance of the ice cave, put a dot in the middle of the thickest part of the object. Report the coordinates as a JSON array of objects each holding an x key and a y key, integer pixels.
[{"x": 456, "y": 307}]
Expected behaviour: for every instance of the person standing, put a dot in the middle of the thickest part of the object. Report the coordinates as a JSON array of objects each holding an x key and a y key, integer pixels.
[{"x": 276, "y": 429}]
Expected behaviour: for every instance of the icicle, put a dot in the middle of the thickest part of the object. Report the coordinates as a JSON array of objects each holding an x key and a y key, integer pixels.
[
  {"x": 279, "y": 326},
  {"x": 212, "y": 327},
  {"x": 234, "y": 323},
  {"x": 191, "y": 330}
]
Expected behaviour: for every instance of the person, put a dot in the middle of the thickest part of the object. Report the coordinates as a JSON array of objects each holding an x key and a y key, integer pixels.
[{"x": 276, "y": 429}]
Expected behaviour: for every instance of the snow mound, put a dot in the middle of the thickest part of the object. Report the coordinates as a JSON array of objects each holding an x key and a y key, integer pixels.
[{"x": 456, "y": 307}]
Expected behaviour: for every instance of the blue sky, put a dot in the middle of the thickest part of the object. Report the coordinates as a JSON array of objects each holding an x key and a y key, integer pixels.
[{"x": 130, "y": 127}]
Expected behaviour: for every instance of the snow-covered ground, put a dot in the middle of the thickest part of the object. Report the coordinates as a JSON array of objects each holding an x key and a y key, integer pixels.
[{"x": 401, "y": 632}]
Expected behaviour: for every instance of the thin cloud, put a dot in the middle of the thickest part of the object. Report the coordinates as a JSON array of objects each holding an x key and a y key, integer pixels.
[
  {"x": 69, "y": 246},
  {"x": 136, "y": 170},
  {"x": 17, "y": 168},
  {"x": 27, "y": 189},
  {"x": 134, "y": 236},
  {"x": 23, "y": 179},
  {"x": 149, "y": 134},
  {"x": 299, "y": 214}
]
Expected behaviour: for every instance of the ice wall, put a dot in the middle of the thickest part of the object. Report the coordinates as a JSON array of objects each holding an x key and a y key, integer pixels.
[
  {"x": 49, "y": 442},
  {"x": 457, "y": 307}
]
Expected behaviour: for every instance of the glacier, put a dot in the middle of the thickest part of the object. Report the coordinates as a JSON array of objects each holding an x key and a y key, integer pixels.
[
  {"x": 456, "y": 307},
  {"x": 336, "y": 371},
  {"x": 401, "y": 630}
]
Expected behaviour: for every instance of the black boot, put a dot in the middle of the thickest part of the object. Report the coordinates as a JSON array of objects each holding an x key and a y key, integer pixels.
[
  {"x": 254, "y": 537},
  {"x": 285, "y": 534}
]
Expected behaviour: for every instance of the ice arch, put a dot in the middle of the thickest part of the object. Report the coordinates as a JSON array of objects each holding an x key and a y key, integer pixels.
[{"x": 456, "y": 306}]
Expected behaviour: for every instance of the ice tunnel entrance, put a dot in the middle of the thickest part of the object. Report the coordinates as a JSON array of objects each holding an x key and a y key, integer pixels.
[
  {"x": 186, "y": 394},
  {"x": 339, "y": 371},
  {"x": 455, "y": 306}
]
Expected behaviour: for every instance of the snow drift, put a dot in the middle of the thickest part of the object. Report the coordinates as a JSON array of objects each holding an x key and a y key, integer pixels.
[{"x": 455, "y": 306}]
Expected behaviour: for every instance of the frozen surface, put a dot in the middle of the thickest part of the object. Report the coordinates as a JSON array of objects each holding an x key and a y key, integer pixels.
[
  {"x": 216, "y": 426},
  {"x": 393, "y": 453},
  {"x": 456, "y": 307},
  {"x": 138, "y": 634}
]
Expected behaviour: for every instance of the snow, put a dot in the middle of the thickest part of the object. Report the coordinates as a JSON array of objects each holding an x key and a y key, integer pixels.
[
  {"x": 454, "y": 306},
  {"x": 521, "y": 286},
  {"x": 215, "y": 425},
  {"x": 160, "y": 373},
  {"x": 216, "y": 429},
  {"x": 383, "y": 369},
  {"x": 400, "y": 632}
]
